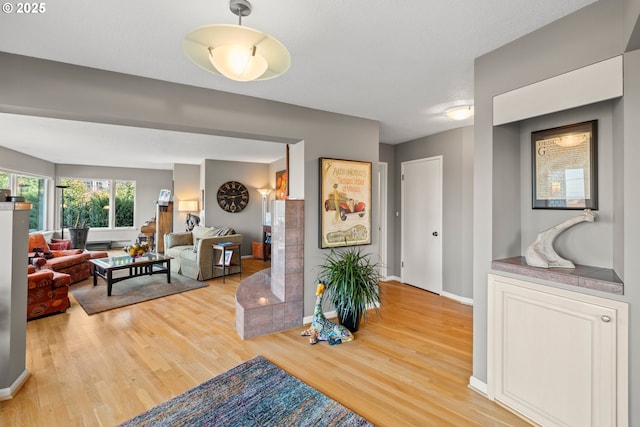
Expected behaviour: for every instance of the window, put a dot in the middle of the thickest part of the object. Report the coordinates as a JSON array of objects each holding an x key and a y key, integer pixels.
[
  {"x": 125, "y": 195},
  {"x": 89, "y": 202},
  {"x": 34, "y": 191},
  {"x": 4, "y": 180}
]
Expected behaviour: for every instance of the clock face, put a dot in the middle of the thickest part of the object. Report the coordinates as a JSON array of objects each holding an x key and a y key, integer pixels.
[{"x": 233, "y": 196}]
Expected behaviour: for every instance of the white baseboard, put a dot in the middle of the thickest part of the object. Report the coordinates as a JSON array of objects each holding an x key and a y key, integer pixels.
[
  {"x": 463, "y": 300},
  {"x": 478, "y": 385},
  {"x": 396, "y": 278},
  {"x": 10, "y": 392}
]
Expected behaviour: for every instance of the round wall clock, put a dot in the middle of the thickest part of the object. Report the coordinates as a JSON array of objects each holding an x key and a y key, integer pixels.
[{"x": 233, "y": 196}]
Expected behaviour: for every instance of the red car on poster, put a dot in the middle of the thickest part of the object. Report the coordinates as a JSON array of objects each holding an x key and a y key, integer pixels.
[{"x": 346, "y": 205}]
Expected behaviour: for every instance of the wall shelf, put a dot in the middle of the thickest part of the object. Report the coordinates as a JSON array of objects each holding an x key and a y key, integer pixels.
[{"x": 583, "y": 276}]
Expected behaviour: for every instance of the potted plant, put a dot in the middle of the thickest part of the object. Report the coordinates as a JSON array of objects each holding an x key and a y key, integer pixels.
[
  {"x": 352, "y": 283},
  {"x": 79, "y": 234}
]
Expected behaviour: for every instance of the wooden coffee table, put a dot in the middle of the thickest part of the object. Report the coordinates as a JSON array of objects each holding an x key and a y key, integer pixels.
[{"x": 145, "y": 265}]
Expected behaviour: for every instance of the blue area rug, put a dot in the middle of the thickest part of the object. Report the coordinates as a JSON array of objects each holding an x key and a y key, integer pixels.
[{"x": 255, "y": 393}]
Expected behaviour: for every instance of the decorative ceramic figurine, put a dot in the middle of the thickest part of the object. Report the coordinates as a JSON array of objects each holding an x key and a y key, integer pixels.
[{"x": 541, "y": 253}]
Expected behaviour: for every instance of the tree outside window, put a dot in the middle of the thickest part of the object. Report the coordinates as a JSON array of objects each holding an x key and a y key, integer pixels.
[
  {"x": 4, "y": 181},
  {"x": 34, "y": 191},
  {"x": 125, "y": 195},
  {"x": 88, "y": 203}
]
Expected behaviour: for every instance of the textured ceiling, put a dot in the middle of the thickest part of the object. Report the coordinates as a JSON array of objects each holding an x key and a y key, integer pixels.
[{"x": 399, "y": 62}]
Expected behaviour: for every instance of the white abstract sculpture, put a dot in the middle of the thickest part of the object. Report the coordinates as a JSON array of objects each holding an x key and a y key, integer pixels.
[{"x": 541, "y": 253}]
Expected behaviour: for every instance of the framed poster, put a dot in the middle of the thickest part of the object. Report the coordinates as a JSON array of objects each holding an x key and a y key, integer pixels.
[
  {"x": 164, "y": 197},
  {"x": 565, "y": 167},
  {"x": 282, "y": 185},
  {"x": 345, "y": 203}
]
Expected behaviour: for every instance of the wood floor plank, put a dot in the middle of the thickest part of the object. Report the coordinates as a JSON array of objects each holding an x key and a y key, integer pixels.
[{"x": 409, "y": 366}]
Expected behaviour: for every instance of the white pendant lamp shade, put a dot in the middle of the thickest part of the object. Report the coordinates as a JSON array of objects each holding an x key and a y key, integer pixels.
[
  {"x": 236, "y": 52},
  {"x": 236, "y": 62}
]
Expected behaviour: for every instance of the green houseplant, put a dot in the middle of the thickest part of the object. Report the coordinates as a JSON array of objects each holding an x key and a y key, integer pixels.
[{"x": 352, "y": 283}]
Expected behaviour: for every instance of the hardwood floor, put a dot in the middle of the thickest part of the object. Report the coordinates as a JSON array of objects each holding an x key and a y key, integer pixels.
[{"x": 410, "y": 366}]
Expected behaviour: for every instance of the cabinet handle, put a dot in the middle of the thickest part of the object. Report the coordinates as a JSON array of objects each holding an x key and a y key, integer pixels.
[{"x": 605, "y": 319}]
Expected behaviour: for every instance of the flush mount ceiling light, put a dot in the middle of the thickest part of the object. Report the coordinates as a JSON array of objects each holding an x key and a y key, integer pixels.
[
  {"x": 236, "y": 52},
  {"x": 460, "y": 113}
]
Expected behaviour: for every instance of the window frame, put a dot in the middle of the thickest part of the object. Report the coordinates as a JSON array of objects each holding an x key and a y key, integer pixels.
[
  {"x": 112, "y": 183},
  {"x": 43, "y": 218}
]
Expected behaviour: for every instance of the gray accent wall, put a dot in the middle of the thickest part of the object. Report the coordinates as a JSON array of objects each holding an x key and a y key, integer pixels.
[
  {"x": 585, "y": 243},
  {"x": 248, "y": 221},
  {"x": 502, "y": 223},
  {"x": 456, "y": 148},
  {"x": 52, "y": 89}
]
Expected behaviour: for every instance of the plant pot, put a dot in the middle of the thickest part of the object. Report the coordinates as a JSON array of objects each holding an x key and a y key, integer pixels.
[
  {"x": 78, "y": 237},
  {"x": 351, "y": 322}
]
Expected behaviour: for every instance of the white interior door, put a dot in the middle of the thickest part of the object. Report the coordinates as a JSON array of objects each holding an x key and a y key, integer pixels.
[{"x": 421, "y": 193}]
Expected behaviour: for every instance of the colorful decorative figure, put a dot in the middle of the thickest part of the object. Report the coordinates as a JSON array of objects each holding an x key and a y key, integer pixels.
[{"x": 321, "y": 328}]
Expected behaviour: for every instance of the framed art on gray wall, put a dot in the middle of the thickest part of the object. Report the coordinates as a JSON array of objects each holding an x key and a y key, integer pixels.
[
  {"x": 345, "y": 203},
  {"x": 565, "y": 167}
]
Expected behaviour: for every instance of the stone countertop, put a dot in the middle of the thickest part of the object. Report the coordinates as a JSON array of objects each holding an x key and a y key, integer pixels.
[{"x": 582, "y": 276}]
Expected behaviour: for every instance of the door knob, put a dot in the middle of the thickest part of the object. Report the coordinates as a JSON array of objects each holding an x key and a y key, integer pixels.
[{"x": 435, "y": 233}]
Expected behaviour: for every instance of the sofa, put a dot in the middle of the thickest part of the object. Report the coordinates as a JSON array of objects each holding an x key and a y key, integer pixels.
[
  {"x": 74, "y": 262},
  {"x": 47, "y": 292},
  {"x": 193, "y": 253}
]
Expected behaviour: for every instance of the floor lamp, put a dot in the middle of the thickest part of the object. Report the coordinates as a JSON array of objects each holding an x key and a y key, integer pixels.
[
  {"x": 62, "y": 188},
  {"x": 264, "y": 192}
]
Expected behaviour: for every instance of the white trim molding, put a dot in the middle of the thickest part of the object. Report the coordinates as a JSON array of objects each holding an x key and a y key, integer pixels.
[
  {"x": 10, "y": 392},
  {"x": 587, "y": 85},
  {"x": 477, "y": 385},
  {"x": 462, "y": 300}
]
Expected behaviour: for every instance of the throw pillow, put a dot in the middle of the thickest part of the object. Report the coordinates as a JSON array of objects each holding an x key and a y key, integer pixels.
[
  {"x": 58, "y": 246},
  {"x": 200, "y": 232},
  {"x": 223, "y": 231}
]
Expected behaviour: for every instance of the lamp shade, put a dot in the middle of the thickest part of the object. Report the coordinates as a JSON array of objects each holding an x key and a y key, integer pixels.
[
  {"x": 264, "y": 192},
  {"x": 236, "y": 52},
  {"x": 187, "y": 205}
]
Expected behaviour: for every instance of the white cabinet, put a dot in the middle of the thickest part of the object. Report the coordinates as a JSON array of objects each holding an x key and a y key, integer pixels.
[{"x": 555, "y": 356}]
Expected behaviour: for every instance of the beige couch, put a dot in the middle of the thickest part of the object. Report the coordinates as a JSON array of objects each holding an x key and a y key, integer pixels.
[{"x": 193, "y": 254}]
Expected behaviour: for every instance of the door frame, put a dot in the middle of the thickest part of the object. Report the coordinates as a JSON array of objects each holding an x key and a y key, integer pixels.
[
  {"x": 439, "y": 158},
  {"x": 383, "y": 177}
]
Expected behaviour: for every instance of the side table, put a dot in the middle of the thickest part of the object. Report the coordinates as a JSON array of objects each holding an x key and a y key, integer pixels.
[{"x": 226, "y": 258}]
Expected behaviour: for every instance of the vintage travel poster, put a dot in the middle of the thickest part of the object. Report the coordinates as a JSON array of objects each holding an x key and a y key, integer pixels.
[{"x": 345, "y": 203}]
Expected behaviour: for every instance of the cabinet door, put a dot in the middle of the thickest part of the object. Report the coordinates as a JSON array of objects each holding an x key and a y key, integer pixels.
[{"x": 553, "y": 357}]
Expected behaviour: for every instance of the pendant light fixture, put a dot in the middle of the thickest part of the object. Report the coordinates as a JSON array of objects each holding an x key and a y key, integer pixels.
[{"x": 236, "y": 52}]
